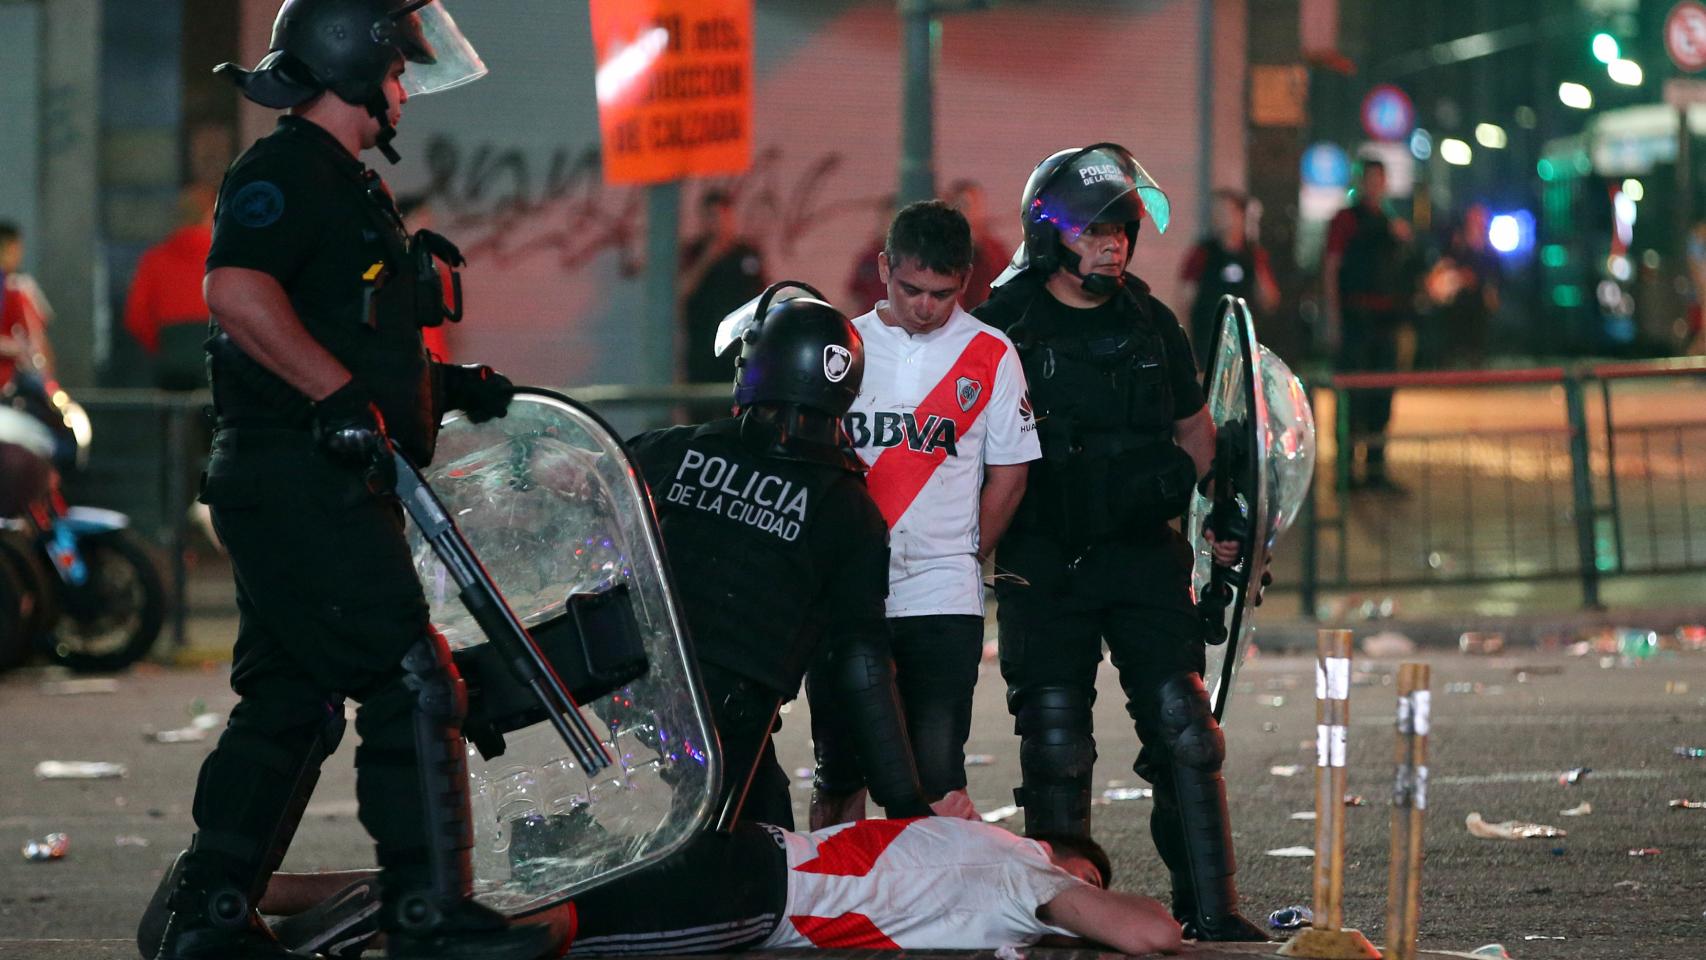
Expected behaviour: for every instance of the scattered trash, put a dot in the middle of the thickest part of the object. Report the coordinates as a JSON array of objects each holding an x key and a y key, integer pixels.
[
  {"x": 77, "y": 688},
  {"x": 1541, "y": 936},
  {"x": 1275, "y": 701},
  {"x": 1675, "y": 687},
  {"x": 1303, "y": 815},
  {"x": 1645, "y": 852},
  {"x": 78, "y": 770},
  {"x": 1692, "y": 753},
  {"x": 1691, "y": 637},
  {"x": 1580, "y": 810},
  {"x": 54, "y": 846},
  {"x": 130, "y": 841},
  {"x": 1688, "y": 804},
  {"x": 1478, "y": 689},
  {"x": 1128, "y": 793},
  {"x": 999, "y": 814},
  {"x": 1509, "y": 829},
  {"x": 1494, "y": 950},
  {"x": 1288, "y": 770},
  {"x": 980, "y": 760},
  {"x": 1637, "y": 644},
  {"x": 1574, "y": 777},
  {"x": 1270, "y": 727},
  {"x": 1560, "y": 851},
  {"x": 802, "y": 773},
  {"x": 1293, "y": 852},
  {"x": 197, "y": 730},
  {"x": 1291, "y": 918},
  {"x": 1387, "y": 644},
  {"x": 1355, "y": 800},
  {"x": 1631, "y": 884},
  {"x": 1481, "y": 644}
]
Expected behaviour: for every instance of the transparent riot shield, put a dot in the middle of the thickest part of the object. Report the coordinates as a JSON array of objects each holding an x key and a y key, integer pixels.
[
  {"x": 1290, "y": 459},
  {"x": 1236, "y": 498},
  {"x": 549, "y": 503}
]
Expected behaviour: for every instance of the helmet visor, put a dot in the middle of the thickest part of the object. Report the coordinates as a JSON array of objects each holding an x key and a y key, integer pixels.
[
  {"x": 1104, "y": 184},
  {"x": 439, "y": 56},
  {"x": 745, "y": 318}
]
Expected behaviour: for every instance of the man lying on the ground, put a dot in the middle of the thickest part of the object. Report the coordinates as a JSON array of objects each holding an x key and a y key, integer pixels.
[{"x": 920, "y": 884}]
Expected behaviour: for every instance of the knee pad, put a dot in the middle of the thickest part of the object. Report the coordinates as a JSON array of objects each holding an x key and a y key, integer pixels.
[
  {"x": 430, "y": 672},
  {"x": 1055, "y": 728},
  {"x": 1192, "y": 735}
]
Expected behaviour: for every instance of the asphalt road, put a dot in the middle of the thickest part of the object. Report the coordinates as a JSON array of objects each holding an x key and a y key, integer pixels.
[{"x": 1497, "y": 749}]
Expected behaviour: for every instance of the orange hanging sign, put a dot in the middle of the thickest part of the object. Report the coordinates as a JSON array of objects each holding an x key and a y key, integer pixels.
[{"x": 674, "y": 87}]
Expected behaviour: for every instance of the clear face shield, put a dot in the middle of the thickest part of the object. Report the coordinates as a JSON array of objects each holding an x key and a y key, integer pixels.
[
  {"x": 440, "y": 57},
  {"x": 745, "y": 318},
  {"x": 1105, "y": 184}
]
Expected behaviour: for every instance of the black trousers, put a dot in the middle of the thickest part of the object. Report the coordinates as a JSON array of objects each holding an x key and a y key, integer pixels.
[
  {"x": 1132, "y": 596},
  {"x": 1369, "y": 342},
  {"x": 719, "y": 894},
  {"x": 935, "y": 660},
  {"x": 744, "y": 713},
  {"x": 328, "y": 603}
]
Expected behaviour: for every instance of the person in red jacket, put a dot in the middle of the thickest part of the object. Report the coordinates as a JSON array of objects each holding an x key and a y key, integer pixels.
[{"x": 165, "y": 311}]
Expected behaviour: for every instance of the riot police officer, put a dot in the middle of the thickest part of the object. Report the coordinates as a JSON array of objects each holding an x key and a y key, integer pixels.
[
  {"x": 1092, "y": 556},
  {"x": 780, "y": 555},
  {"x": 316, "y": 360}
]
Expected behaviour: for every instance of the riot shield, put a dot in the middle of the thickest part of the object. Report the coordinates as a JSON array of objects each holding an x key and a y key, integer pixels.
[
  {"x": 1235, "y": 501},
  {"x": 547, "y": 500},
  {"x": 1261, "y": 477}
]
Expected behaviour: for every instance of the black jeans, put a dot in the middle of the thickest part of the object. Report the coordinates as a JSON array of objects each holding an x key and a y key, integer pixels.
[
  {"x": 935, "y": 660},
  {"x": 1369, "y": 344}
]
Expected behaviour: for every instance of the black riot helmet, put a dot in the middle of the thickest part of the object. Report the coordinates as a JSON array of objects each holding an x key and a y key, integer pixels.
[
  {"x": 1072, "y": 189},
  {"x": 795, "y": 351},
  {"x": 348, "y": 46}
]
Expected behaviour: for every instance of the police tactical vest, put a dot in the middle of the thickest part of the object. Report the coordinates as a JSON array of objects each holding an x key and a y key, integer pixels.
[
  {"x": 737, "y": 520},
  {"x": 374, "y": 332},
  {"x": 1104, "y": 411}
]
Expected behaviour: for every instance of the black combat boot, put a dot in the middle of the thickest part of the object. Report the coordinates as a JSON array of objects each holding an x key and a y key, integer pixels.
[
  {"x": 1205, "y": 837},
  {"x": 211, "y": 919}
]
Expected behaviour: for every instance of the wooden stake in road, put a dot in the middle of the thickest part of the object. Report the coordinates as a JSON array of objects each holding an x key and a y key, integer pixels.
[
  {"x": 1325, "y": 939},
  {"x": 1409, "y": 803}
]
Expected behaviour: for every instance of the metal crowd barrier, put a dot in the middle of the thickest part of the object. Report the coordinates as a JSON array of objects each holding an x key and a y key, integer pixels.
[{"x": 1597, "y": 476}]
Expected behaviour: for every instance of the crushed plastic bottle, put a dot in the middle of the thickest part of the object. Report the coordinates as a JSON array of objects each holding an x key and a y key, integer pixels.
[
  {"x": 54, "y": 846},
  {"x": 1128, "y": 793},
  {"x": 1691, "y": 753},
  {"x": 1645, "y": 852},
  {"x": 1298, "y": 852},
  {"x": 1574, "y": 776},
  {"x": 1688, "y": 804},
  {"x": 1291, "y": 918}
]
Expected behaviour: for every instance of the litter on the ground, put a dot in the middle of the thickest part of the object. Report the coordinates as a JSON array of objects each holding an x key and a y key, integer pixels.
[
  {"x": 1644, "y": 852},
  {"x": 1494, "y": 950},
  {"x": 1292, "y": 852},
  {"x": 130, "y": 840},
  {"x": 77, "y": 688},
  {"x": 1579, "y": 810},
  {"x": 1573, "y": 777},
  {"x": 1000, "y": 813},
  {"x": 1691, "y": 753},
  {"x": 54, "y": 846},
  {"x": 1688, "y": 804},
  {"x": 1509, "y": 829},
  {"x": 1481, "y": 644},
  {"x": 980, "y": 759},
  {"x": 1269, "y": 726},
  {"x": 1541, "y": 936},
  {"x": 1303, "y": 815},
  {"x": 1355, "y": 800},
  {"x": 197, "y": 730},
  {"x": 1128, "y": 793},
  {"x": 1274, "y": 701},
  {"x": 1291, "y": 918},
  {"x": 1676, "y": 686},
  {"x": 1287, "y": 770},
  {"x": 78, "y": 770},
  {"x": 1387, "y": 644}
]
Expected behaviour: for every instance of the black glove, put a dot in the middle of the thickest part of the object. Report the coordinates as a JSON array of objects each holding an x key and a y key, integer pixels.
[
  {"x": 475, "y": 389},
  {"x": 350, "y": 429}
]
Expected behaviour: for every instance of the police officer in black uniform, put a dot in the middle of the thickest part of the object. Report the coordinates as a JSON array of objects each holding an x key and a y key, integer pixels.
[
  {"x": 318, "y": 297},
  {"x": 780, "y": 555},
  {"x": 1092, "y": 556}
]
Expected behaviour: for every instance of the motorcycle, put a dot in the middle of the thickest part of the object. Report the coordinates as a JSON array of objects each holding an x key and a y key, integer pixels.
[{"x": 90, "y": 594}]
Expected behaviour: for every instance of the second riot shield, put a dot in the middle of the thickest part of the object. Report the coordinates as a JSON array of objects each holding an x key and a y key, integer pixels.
[
  {"x": 547, "y": 500},
  {"x": 1234, "y": 504}
]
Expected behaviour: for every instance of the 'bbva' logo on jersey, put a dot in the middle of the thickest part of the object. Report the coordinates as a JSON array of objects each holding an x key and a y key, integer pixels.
[{"x": 886, "y": 428}]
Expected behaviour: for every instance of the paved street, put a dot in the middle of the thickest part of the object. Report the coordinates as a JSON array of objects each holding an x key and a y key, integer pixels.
[{"x": 1498, "y": 749}]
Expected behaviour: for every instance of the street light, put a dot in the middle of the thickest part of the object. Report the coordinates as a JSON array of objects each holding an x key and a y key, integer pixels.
[
  {"x": 1633, "y": 190},
  {"x": 1575, "y": 95},
  {"x": 1455, "y": 152},
  {"x": 1490, "y": 135},
  {"x": 1626, "y": 72},
  {"x": 1605, "y": 48}
]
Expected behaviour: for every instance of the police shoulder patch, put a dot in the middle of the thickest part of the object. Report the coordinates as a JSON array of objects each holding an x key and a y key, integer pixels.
[{"x": 258, "y": 204}]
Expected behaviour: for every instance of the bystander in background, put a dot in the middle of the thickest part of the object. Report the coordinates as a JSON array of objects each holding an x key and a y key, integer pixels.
[
  {"x": 1463, "y": 288},
  {"x": 989, "y": 254},
  {"x": 24, "y": 311},
  {"x": 1227, "y": 261},
  {"x": 720, "y": 270},
  {"x": 165, "y": 310}
]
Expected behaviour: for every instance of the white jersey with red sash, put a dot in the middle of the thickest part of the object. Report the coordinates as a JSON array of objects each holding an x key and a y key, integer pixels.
[
  {"x": 922, "y": 884},
  {"x": 932, "y": 411}
]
